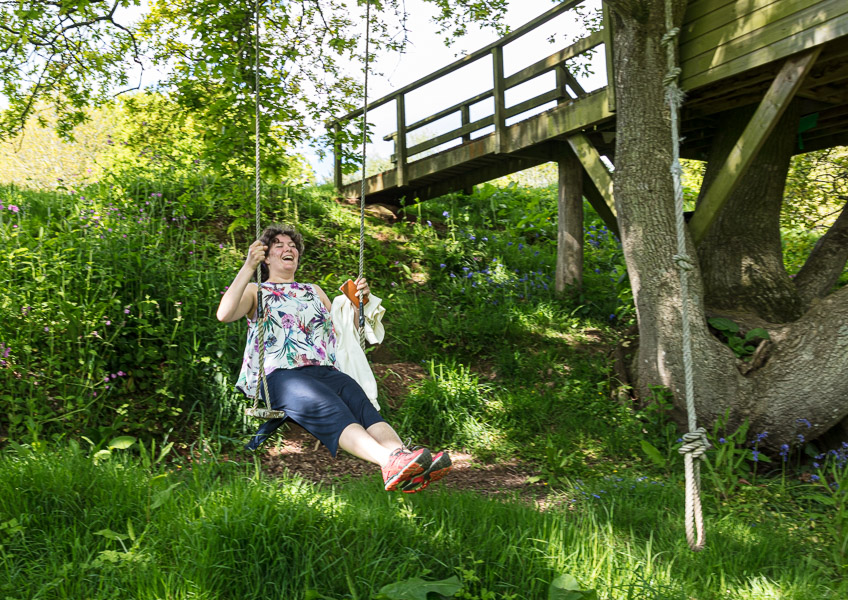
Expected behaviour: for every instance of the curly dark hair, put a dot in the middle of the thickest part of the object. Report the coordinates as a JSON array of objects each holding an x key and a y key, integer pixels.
[{"x": 273, "y": 231}]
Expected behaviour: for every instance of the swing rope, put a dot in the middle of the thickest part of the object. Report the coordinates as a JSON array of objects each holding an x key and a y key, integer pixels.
[
  {"x": 362, "y": 177},
  {"x": 267, "y": 412},
  {"x": 695, "y": 442}
]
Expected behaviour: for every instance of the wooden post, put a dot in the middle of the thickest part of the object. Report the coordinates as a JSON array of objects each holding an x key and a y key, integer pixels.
[
  {"x": 608, "y": 48},
  {"x": 500, "y": 102},
  {"x": 337, "y": 157},
  {"x": 569, "y": 267},
  {"x": 465, "y": 115},
  {"x": 400, "y": 142}
]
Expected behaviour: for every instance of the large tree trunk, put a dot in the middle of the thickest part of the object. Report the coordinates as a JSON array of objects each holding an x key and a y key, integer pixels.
[
  {"x": 800, "y": 374},
  {"x": 741, "y": 255}
]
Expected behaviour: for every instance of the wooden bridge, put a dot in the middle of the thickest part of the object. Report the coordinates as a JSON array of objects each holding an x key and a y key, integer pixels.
[{"x": 733, "y": 53}]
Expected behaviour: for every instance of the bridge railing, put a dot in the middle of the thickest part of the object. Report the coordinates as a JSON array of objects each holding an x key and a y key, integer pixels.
[{"x": 556, "y": 62}]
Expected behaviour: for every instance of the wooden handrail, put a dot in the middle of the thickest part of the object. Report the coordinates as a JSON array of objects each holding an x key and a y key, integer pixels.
[
  {"x": 554, "y": 62},
  {"x": 466, "y": 60}
]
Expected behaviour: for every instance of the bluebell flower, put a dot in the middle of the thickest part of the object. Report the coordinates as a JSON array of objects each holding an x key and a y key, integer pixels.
[
  {"x": 722, "y": 441},
  {"x": 445, "y": 214},
  {"x": 805, "y": 422},
  {"x": 755, "y": 454},
  {"x": 521, "y": 246},
  {"x": 442, "y": 265},
  {"x": 612, "y": 316},
  {"x": 429, "y": 224},
  {"x": 597, "y": 270},
  {"x": 814, "y": 478},
  {"x": 452, "y": 275}
]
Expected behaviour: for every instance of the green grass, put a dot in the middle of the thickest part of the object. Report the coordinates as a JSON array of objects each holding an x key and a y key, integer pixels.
[
  {"x": 219, "y": 529},
  {"x": 514, "y": 373}
]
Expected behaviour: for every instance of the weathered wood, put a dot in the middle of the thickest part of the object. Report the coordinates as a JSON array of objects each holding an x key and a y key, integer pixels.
[
  {"x": 446, "y": 112},
  {"x": 453, "y": 134},
  {"x": 569, "y": 261},
  {"x": 337, "y": 158},
  {"x": 767, "y": 115},
  {"x": 790, "y": 36},
  {"x": 400, "y": 142},
  {"x": 727, "y": 27},
  {"x": 471, "y": 58},
  {"x": 550, "y": 63},
  {"x": 591, "y": 160},
  {"x": 596, "y": 199},
  {"x": 500, "y": 101},
  {"x": 608, "y": 53}
]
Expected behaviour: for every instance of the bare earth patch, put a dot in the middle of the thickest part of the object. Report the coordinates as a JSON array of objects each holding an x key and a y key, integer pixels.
[{"x": 294, "y": 451}]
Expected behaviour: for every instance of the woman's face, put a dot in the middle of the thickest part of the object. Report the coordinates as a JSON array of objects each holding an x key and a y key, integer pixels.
[{"x": 283, "y": 254}]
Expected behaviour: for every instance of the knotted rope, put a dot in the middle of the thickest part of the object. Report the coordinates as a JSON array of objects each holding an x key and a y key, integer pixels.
[
  {"x": 362, "y": 178},
  {"x": 267, "y": 412},
  {"x": 695, "y": 442}
]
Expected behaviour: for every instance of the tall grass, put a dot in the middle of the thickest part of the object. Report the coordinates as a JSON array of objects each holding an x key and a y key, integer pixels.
[{"x": 220, "y": 530}]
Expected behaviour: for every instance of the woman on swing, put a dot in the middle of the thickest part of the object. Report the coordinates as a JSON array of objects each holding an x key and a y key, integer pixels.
[{"x": 300, "y": 365}]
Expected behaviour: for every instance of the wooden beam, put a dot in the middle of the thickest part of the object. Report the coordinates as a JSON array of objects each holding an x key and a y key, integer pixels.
[
  {"x": 500, "y": 101},
  {"x": 400, "y": 142},
  {"x": 569, "y": 259},
  {"x": 767, "y": 115},
  {"x": 591, "y": 160},
  {"x": 608, "y": 51}
]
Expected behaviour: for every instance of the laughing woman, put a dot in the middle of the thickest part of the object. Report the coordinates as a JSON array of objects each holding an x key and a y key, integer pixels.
[{"x": 301, "y": 367}]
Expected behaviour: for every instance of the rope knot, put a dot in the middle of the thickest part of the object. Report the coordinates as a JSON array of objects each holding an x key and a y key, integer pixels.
[
  {"x": 695, "y": 443},
  {"x": 671, "y": 76},
  {"x": 684, "y": 262},
  {"x": 670, "y": 36}
]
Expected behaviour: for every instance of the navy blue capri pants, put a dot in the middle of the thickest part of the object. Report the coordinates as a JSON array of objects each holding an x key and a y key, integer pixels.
[{"x": 321, "y": 399}]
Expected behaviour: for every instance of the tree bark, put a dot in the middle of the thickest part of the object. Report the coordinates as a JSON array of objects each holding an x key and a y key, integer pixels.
[
  {"x": 569, "y": 269},
  {"x": 741, "y": 255},
  {"x": 826, "y": 262},
  {"x": 803, "y": 374}
]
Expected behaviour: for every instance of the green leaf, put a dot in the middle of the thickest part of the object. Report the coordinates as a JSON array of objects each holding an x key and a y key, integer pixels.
[
  {"x": 109, "y": 534},
  {"x": 122, "y": 443},
  {"x": 757, "y": 333},
  {"x": 651, "y": 452},
  {"x": 723, "y": 324},
  {"x": 565, "y": 587},
  {"x": 418, "y": 589}
]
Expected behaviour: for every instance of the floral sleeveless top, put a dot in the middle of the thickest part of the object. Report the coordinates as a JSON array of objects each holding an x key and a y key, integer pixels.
[{"x": 298, "y": 333}]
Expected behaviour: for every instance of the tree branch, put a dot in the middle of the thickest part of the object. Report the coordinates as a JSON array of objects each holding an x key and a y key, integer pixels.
[{"x": 826, "y": 262}]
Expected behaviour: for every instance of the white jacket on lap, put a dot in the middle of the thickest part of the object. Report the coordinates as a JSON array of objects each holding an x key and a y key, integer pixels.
[{"x": 350, "y": 358}]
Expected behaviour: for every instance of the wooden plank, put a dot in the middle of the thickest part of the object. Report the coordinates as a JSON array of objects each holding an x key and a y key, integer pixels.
[
  {"x": 500, "y": 102},
  {"x": 824, "y": 33},
  {"x": 569, "y": 257},
  {"x": 534, "y": 102},
  {"x": 596, "y": 199},
  {"x": 693, "y": 28},
  {"x": 699, "y": 8},
  {"x": 473, "y": 57},
  {"x": 400, "y": 141},
  {"x": 749, "y": 143},
  {"x": 811, "y": 27},
  {"x": 450, "y": 110},
  {"x": 451, "y": 135},
  {"x": 747, "y": 28},
  {"x": 606, "y": 15},
  {"x": 596, "y": 38},
  {"x": 591, "y": 160}
]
